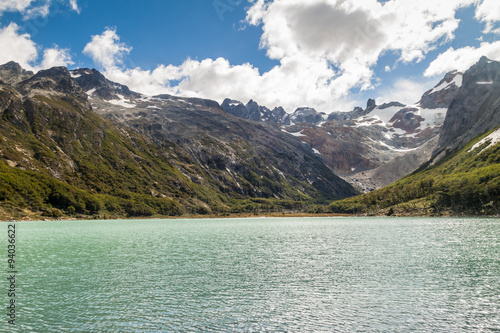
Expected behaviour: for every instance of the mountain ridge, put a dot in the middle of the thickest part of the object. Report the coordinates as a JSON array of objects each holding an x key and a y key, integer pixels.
[
  {"x": 169, "y": 163},
  {"x": 77, "y": 132}
]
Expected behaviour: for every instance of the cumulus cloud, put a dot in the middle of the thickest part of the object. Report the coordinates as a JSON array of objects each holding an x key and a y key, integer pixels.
[
  {"x": 11, "y": 6},
  {"x": 56, "y": 57},
  {"x": 461, "y": 59},
  {"x": 325, "y": 49},
  {"x": 17, "y": 47},
  {"x": 488, "y": 11},
  {"x": 20, "y": 48},
  {"x": 106, "y": 49},
  {"x": 32, "y": 8}
]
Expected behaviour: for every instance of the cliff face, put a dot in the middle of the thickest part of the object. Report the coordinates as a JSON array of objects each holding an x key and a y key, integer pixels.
[
  {"x": 474, "y": 110},
  {"x": 462, "y": 176},
  {"x": 244, "y": 158}
]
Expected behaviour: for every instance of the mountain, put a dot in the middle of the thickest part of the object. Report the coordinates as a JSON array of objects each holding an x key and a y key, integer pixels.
[
  {"x": 75, "y": 143},
  {"x": 247, "y": 157},
  {"x": 370, "y": 147},
  {"x": 255, "y": 112},
  {"x": 463, "y": 173},
  {"x": 13, "y": 73},
  {"x": 276, "y": 117},
  {"x": 475, "y": 110},
  {"x": 465, "y": 182},
  {"x": 375, "y": 146}
]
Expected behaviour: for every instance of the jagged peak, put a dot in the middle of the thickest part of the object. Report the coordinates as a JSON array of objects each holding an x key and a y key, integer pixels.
[
  {"x": 485, "y": 59},
  {"x": 391, "y": 104},
  {"x": 58, "y": 71},
  {"x": 12, "y": 73},
  {"x": 305, "y": 109},
  {"x": 12, "y": 66},
  {"x": 371, "y": 103},
  {"x": 231, "y": 102}
]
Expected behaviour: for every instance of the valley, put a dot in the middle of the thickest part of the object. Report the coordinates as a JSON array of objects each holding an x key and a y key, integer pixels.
[{"x": 74, "y": 144}]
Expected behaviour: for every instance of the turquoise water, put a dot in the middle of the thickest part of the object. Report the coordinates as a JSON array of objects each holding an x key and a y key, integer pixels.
[{"x": 247, "y": 275}]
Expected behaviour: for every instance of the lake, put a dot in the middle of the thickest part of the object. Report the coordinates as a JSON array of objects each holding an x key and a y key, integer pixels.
[{"x": 253, "y": 275}]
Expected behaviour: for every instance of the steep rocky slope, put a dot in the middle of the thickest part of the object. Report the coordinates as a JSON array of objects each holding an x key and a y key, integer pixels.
[
  {"x": 465, "y": 182},
  {"x": 475, "y": 109},
  {"x": 369, "y": 147},
  {"x": 463, "y": 174},
  {"x": 152, "y": 155}
]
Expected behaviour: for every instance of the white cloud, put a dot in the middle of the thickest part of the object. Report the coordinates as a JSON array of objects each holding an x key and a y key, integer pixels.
[
  {"x": 21, "y": 49},
  {"x": 106, "y": 49},
  {"x": 11, "y": 6},
  {"x": 74, "y": 5},
  {"x": 56, "y": 57},
  {"x": 17, "y": 47},
  {"x": 38, "y": 11},
  {"x": 488, "y": 11},
  {"x": 461, "y": 59},
  {"x": 33, "y": 8},
  {"x": 325, "y": 49}
]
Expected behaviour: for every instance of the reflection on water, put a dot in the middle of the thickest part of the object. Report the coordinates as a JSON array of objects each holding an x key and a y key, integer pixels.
[{"x": 299, "y": 274}]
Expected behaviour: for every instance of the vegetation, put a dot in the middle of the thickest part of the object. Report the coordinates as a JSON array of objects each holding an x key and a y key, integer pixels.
[
  {"x": 462, "y": 183},
  {"x": 59, "y": 159}
]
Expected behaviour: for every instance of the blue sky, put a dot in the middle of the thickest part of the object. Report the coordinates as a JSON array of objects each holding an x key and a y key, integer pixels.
[{"x": 328, "y": 54}]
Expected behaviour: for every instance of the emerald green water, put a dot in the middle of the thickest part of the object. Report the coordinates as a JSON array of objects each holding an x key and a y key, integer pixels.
[{"x": 248, "y": 275}]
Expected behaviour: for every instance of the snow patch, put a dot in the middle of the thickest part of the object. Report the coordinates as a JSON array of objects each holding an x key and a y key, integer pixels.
[
  {"x": 377, "y": 114},
  {"x": 433, "y": 117},
  {"x": 152, "y": 107},
  {"x": 122, "y": 102},
  {"x": 91, "y": 91},
  {"x": 316, "y": 151},
  {"x": 457, "y": 81},
  {"x": 184, "y": 101},
  {"x": 394, "y": 148},
  {"x": 297, "y": 134},
  {"x": 75, "y": 76},
  {"x": 493, "y": 138},
  {"x": 484, "y": 82}
]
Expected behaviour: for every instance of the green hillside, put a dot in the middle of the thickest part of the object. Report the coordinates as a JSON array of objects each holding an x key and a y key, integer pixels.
[
  {"x": 465, "y": 182},
  {"x": 60, "y": 158}
]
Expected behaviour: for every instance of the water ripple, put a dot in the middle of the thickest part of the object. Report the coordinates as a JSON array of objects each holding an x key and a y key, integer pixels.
[{"x": 280, "y": 275}]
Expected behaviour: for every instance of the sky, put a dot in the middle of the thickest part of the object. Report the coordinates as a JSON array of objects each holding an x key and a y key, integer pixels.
[{"x": 328, "y": 54}]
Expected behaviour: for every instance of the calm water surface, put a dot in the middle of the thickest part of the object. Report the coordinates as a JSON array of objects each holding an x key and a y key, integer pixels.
[{"x": 247, "y": 275}]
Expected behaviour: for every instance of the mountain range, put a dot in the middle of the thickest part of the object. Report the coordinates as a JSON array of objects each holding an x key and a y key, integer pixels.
[{"x": 74, "y": 143}]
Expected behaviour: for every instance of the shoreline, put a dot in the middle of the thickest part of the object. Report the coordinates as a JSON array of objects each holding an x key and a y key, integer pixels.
[{"x": 228, "y": 216}]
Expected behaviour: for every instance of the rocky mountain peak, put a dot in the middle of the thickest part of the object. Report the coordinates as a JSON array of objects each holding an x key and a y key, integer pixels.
[
  {"x": 94, "y": 83},
  {"x": 485, "y": 72},
  {"x": 12, "y": 73},
  {"x": 53, "y": 80},
  {"x": 371, "y": 104},
  {"x": 256, "y": 112},
  {"x": 305, "y": 115},
  {"x": 253, "y": 111},
  {"x": 476, "y": 107},
  {"x": 443, "y": 93},
  {"x": 13, "y": 67}
]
